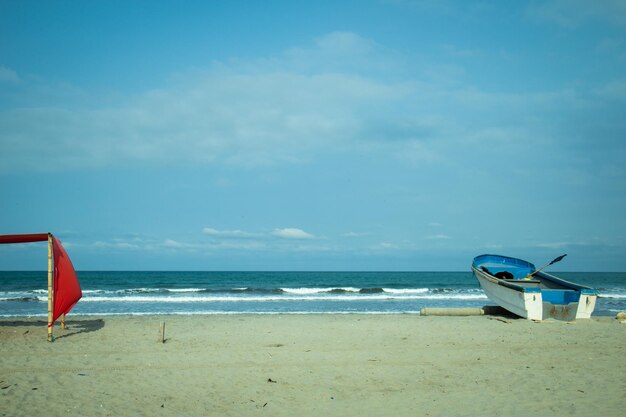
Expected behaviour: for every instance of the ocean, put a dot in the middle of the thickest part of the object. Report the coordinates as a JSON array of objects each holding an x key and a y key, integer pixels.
[{"x": 188, "y": 293}]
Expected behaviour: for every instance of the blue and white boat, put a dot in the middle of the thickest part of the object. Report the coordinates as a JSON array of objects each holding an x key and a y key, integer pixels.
[{"x": 519, "y": 287}]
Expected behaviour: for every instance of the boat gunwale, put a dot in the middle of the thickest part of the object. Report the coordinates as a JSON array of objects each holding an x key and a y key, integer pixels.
[
  {"x": 506, "y": 260},
  {"x": 578, "y": 287},
  {"x": 508, "y": 284}
]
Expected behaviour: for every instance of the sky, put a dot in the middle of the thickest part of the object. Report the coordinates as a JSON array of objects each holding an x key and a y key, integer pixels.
[{"x": 382, "y": 135}]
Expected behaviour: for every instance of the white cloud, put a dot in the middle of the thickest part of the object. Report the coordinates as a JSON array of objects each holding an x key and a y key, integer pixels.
[
  {"x": 245, "y": 113},
  {"x": 285, "y": 233},
  {"x": 224, "y": 118},
  {"x": 299, "y": 241},
  {"x": 117, "y": 245},
  {"x": 228, "y": 233},
  {"x": 554, "y": 245},
  {"x": 173, "y": 244},
  {"x": 355, "y": 234},
  {"x": 342, "y": 94},
  {"x": 292, "y": 233}
]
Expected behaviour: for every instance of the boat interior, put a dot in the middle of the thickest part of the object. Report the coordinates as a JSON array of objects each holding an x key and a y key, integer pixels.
[{"x": 518, "y": 276}]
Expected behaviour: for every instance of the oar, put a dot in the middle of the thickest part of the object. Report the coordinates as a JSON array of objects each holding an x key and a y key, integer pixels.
[{"x": 555, "y": 260}]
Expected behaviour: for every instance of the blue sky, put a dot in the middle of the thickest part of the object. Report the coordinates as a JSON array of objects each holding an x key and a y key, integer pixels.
[{"x": 327, "y": 135}]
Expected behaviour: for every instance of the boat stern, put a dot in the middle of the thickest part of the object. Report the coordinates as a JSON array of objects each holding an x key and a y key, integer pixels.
[
  {"x": 533, "y": 304},
  {"x": 586, "y": 304}
]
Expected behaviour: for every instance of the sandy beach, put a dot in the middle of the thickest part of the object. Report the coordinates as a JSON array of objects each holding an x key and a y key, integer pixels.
[{"x": 313, "y": 365}]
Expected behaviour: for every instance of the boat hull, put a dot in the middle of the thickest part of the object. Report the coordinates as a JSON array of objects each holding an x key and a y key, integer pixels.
[
  {"x": 542, "y": 297},
  {"x": 525, "y": 304}
]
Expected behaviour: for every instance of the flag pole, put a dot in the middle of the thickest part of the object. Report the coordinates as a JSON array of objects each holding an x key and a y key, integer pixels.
[{"x": 50, "y": 290}]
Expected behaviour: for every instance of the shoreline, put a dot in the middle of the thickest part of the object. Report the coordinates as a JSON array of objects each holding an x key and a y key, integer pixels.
[
  {"x": 413, "y": 313},
  {"x": 312, "y": 364}
]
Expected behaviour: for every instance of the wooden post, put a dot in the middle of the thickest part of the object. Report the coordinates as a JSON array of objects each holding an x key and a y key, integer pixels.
[
  {"x": 467, "y": 311},
  {"x": 50, "y": 290},
  {"x": 162, "y": 332},
  {"x": 63, "y": 326}
]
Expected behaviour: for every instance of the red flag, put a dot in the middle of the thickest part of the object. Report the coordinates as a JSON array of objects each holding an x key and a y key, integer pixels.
[{"x": 67, "y": 290}]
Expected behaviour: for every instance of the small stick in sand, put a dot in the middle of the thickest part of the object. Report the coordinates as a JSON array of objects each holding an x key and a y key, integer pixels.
[
  {"x": 162, "y": 332},
  {"x": 499, "y": 319}
]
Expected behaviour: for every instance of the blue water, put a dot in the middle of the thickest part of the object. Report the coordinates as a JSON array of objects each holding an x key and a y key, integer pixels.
[{"x": 137, "y": 293}]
